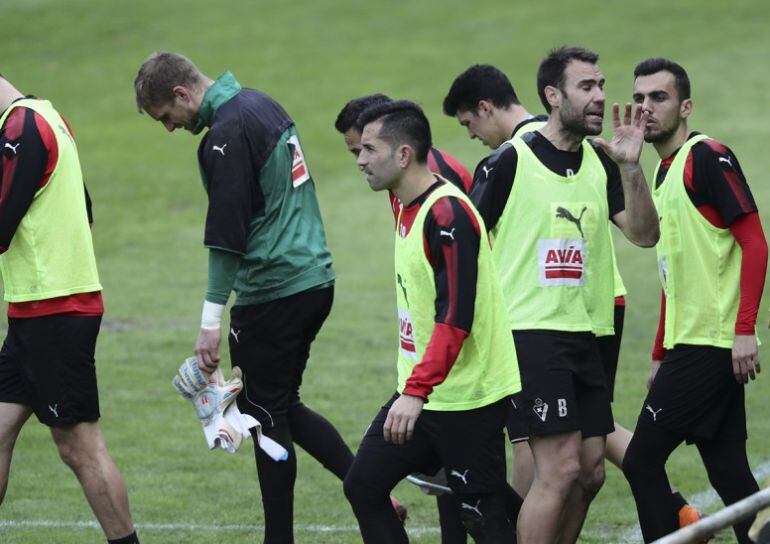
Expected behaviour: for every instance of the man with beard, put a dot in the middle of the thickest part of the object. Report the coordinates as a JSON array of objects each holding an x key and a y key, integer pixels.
[
  {"x": 456, "y": 360},
  {"x": 555, "y": 193},
  {"x": 484, "y": 101},
  {"x": 266, "y": 242},
  {"x": 449, "y": 168},
  {"x": 712, "y": 258}
]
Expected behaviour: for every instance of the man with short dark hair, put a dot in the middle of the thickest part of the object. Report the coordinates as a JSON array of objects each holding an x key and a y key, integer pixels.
[
  {"x": 712, "y": 259},
  {"x": 266, "y": 242},
  {"x": 483, "y": 100},
  {"x": 547, "y": 198},
  {"x": 439, "y": 162},
  {"x": 55, "y": 304},
  {"x": 449, "y": 168},
  {"x": 456, "y": 360}
]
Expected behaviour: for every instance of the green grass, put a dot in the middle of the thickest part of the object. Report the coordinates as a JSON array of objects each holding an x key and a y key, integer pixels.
[{"x": 312, "y": 57}]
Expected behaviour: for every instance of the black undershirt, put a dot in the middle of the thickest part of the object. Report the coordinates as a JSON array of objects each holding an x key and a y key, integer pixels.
[{"x": 493, "y": 178}]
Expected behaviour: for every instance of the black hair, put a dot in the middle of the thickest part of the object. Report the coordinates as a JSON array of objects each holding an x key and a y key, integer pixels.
[
  {"x": 479, "y": 82},
  {"x": 658, "y": 64},
  {"x": 347, "y": 117},
  {"x": 403, "y": 122},
  {"x": 550, "y": 73}
]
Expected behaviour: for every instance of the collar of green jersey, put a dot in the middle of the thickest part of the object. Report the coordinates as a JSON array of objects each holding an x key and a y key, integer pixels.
[{"x": 222, "y": 90}]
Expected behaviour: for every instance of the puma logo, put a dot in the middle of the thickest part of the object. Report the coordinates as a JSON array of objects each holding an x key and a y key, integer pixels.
[
  {"x": 235, "y": 335},
  {"x": 473, "y": 508},
  {"x": 462, "y": 476},
  {"x": 54, "y": 409},
  {"x": 653, "y": 412},
  {"x": 487, "y": 171},
  {"x": 564, "y": 213},
  {"x": 721, "y": 159},
  {"x": 220, "y": 149},
  {"x": 449, "y": 233},
  {"x": 12, "y": 147},
  {"x": 403, "y": 288}
]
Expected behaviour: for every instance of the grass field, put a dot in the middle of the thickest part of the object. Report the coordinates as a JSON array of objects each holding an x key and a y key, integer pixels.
[{"x": 312, "y": 57}]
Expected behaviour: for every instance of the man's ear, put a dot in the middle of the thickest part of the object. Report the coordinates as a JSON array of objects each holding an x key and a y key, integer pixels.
[
  {"x": 405, "y": 156},
  {"x": 181, "y": 93},
  {"x": 685, "y": 108},
  {"x": 553, "y": 96}
]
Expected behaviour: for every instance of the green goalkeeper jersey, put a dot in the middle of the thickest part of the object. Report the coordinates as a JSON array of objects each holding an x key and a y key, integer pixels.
[{"x": 262, "y": 210}]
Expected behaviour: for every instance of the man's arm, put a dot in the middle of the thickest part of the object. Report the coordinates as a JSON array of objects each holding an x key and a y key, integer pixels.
[
  {"x": 639, "y": 219},
  {"x": 223, "y": 267},
  {"x": 492, "y": 184},
  {"x": 719, "y": 189},
  {"x": 23, "y": 161},
  {"x": 451, "y": 238},
  {"x": 230, "y": 183}
]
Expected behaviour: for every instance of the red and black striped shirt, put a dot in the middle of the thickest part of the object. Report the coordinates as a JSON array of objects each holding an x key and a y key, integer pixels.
[
  {"x": 446, "y": 166},
  {"x": 451, "y": 238},
  {"x": 28, "y": 157},
  {"x": 717, "y": 187}
]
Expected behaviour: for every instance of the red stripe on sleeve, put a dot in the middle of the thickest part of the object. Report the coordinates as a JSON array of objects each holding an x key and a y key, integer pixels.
[
  {"x": 49, "y": 141},
  {"x": 439, "y": 357},
  {"x": 748, "y": 232}
]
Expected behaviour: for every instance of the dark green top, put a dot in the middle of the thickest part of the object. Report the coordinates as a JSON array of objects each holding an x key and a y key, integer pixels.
[{"x": 263, "y": 226}]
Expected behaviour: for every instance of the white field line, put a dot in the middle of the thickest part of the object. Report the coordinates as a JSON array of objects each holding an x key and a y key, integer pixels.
[
  {"x": 195, "y": 527},
  {"x": 703, "y": 501}
]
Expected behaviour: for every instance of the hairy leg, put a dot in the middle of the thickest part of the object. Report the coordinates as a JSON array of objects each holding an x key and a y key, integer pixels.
[
  {"x": 83, "y": 448},
  {"x": 557, "y": 468}
]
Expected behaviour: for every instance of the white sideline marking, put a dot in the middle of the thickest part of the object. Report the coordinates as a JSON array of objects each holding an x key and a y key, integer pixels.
[
  {"x": 702, "y": 501},
  {"x": 28, "y": 523}
]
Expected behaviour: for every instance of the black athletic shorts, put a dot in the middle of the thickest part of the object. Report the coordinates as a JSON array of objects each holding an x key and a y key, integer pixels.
[
  {"x": 468, "y": 444},
  {"x": 564, "y": 388},
  {"x": 609, "y": 350},
  {"x": 47, "y": 363},
  {"x": 695, "y": 394},
  {"x": 270, "y": 342}
]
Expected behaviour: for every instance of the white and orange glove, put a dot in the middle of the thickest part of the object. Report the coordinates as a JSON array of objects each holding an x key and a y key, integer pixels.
[{"x": 214, "y": 402}]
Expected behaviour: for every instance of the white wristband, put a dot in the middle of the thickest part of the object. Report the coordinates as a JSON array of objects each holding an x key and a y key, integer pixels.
[{"x": 211, "y": 318}]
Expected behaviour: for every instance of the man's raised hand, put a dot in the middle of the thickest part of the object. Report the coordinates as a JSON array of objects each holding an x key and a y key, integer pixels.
[{"x": 627, "y": 137}]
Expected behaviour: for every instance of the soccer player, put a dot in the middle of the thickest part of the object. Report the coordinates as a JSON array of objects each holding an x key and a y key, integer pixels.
[
  {"x": 456, "y": 360},
  {"x": 266, "y": 242},
  {"x": 449, "y": 168},
  {"x": 484, "y": 101},
  {"x": 712, "y": 258},
  {"x": 547, "y": 199},
  {"x": 439, "y": 162},
  {"x": 54, "y": 304}
]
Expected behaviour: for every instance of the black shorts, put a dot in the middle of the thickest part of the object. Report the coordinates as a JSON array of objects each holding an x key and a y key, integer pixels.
[
  {"x": 47, "y": 363},
  {"x": 468, "y": 444},
  {"x": 609, "y": 350},
  {"x": 270, "y": 342},
  {"x": 695, "y": 395},
  {"x": 563, "y": 384}
]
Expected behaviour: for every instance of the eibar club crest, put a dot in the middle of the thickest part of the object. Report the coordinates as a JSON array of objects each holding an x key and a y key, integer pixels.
[{"x": 541, "y": 409}]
